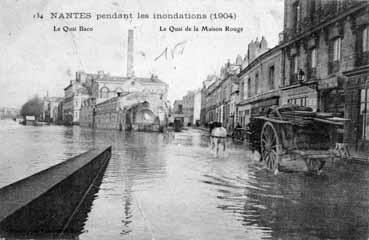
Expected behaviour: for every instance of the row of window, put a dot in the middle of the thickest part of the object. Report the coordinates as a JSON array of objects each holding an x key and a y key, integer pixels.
[
  {"x": 335, "y": 50},
  {"x": 301, "y": 101},
  {"x": 104, "y": 92},
  {"x": 271, "y": 82},
  {"x": 333, "y": 5}
]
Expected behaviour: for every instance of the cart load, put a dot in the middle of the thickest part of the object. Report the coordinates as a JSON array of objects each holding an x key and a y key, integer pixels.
[{"x": 285, "y": 134}]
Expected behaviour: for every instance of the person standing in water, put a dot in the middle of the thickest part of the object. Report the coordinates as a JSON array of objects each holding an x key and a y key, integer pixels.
[{"x": 218, "y": 137}]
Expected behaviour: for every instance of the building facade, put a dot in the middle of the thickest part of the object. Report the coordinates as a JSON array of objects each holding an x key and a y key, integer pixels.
[
  {"x": 50, "y": 111},
  {"x": 259, "y": 85},
  {"x": 188, "y": 107},
  {"x": 87, "y": 113},
  {"x": 102, "y": 87},
  {"x": 204, "y": 99},
  {"x": 322, "y": 40},
  {"x": 177, "y": 113},
  {"x": 197, "y": 107},
  {"x": 131, "y": 111},
  {"x": 74, "y": 94},
  {"x": 318, "y": 46},
  {"x": 356, "y": 132}
]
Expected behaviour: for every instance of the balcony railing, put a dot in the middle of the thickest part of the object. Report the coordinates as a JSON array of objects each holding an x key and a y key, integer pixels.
[{"x": 329, "y": 10}]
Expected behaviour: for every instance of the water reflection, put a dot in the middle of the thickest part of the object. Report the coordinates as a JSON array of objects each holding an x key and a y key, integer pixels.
[
  {"x": 176, "y": 189},
  {"x": 298, "y": 206}
]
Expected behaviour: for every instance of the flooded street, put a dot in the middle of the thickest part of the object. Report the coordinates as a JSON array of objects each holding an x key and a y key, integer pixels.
[{"x": 156, "y": 188}]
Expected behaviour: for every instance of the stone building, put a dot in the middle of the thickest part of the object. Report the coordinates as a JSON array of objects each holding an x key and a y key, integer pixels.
[
  {"x": 87, "y": 114},
  {"x": 177, "y": 113},
  {"x": 321, "y": 41},
  {"x": 356, "y": 132},
  {"x": 318, "y": 45},
  {"x": 50, "y": 111},
  {"x": 58, "y": 113},
  {"x": 74, "y": 94},
  {"x": 178, "y": 106},
  {"x": 132, "y": 111},
  {"x": 210, "y": 79},
  {"x": 188, "y": 107},
  {"x": 226, "y": 100},
  {"x": 221, "y": 95},
  {"x": 197, "y": 107},
  {"x": 212, "y": 101},
  {"x": 105, "y": 91},
  {"x": 259, "y": 85}
]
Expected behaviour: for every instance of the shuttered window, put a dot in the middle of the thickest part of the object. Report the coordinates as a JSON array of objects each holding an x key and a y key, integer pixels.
[
  {"x": 364, "y": 104},
  {"x": 313, "y": 58},
  {"x": 366, "y": 39},
  {"x": 337, "y": 49}
]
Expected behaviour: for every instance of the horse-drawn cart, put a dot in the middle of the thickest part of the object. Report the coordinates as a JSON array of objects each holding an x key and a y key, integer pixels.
[{"x": 288, "y": 136}]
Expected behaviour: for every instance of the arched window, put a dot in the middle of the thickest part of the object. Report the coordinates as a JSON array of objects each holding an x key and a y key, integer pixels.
[{"x": 104, "y": 92}]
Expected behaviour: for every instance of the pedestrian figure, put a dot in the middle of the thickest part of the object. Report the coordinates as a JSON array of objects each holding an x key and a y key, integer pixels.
[
  {"x": 167, "y": 135},
  {"x": 218, "y": 137}
]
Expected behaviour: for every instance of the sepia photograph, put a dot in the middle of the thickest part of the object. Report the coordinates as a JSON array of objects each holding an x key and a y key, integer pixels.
[{"x": 184, "y": 119}]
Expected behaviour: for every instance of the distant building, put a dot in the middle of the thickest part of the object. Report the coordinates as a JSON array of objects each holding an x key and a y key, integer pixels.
[
  {"x": 7, "y": 112},
  {"x": 221, "y": 95},
  {"x": 102, "y": 87},
  {"x": 58, "y": 113},
  {"x": 177, "y": 113},
  {"x": 136, "y": 110},
  {"x": 50, "y": 111},
  {"x": 188, "y": 107},
  {"x": 87, "y": 113},
  {"x": 259, "y": 85},
  {"x": 204, "y": 99},
  {"x": 74, "y": 94},
  {"x": 105, "y": 91},
  {"x": 197, "y": 107}
]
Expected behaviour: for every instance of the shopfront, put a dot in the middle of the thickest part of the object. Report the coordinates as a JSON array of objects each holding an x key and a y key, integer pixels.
[
  {"x": 243, "y": 114},
  {"x": 357, "y": 109},
  {"x": 331, "y": 95},
  {"x": 306, "y": 96},
  {"x": 259, "y": 107}
]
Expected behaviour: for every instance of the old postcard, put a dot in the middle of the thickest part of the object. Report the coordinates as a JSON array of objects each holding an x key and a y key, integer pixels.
[{"x": 196, "y": 119}]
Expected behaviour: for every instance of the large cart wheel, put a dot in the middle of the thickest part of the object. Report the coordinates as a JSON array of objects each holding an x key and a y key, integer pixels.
[{"x": 270, "y": 147}]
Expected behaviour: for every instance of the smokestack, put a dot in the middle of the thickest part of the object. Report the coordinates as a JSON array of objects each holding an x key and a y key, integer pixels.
[{"x": 130, "y": 72}]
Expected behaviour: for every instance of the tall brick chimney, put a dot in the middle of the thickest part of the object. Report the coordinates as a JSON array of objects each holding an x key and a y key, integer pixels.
[{"x": 130, "y": 72}]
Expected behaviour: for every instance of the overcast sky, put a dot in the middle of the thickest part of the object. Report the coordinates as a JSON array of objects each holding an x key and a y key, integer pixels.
[{"x": 34, "y": 59}]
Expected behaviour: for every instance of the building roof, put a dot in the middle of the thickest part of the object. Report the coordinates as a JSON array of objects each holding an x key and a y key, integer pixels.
[
  {"x": 70, "y": 84},
  {"x": 260, "y": 58},
  {"x": 141, "y": 80}
]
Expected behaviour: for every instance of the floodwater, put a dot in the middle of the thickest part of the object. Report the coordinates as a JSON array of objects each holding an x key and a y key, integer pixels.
[{"x": 156, "y": 188}]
